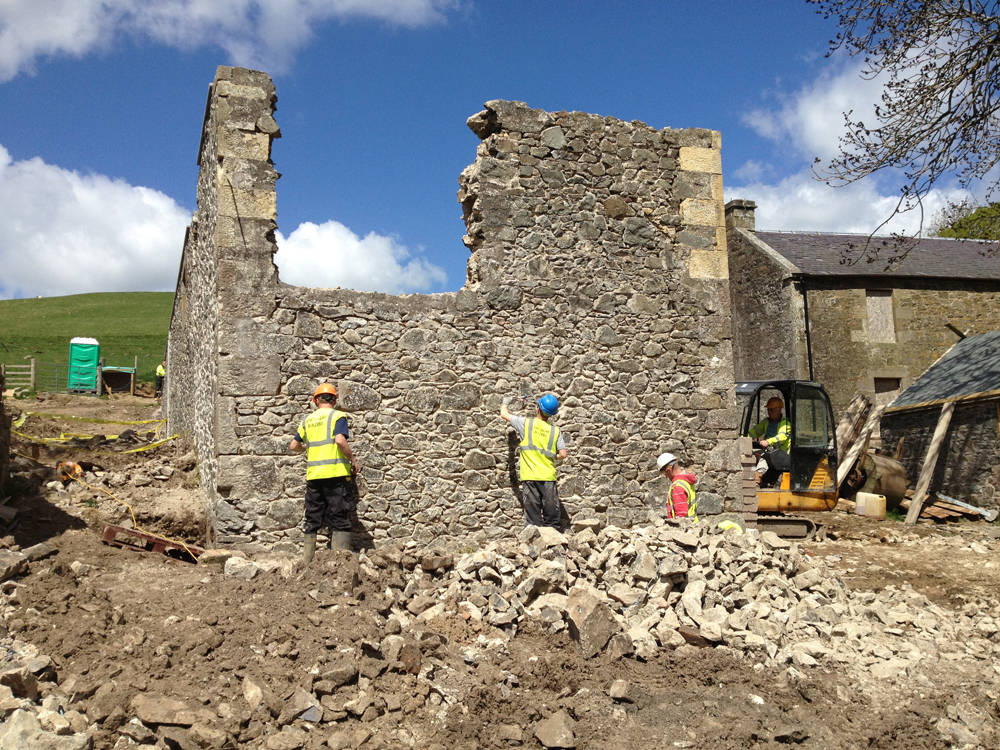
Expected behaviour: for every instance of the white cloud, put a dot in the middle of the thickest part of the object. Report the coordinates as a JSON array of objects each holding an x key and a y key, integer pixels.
[
  {"x": 810, "y": 123},
  {"x": 802, "y": 203},
  {"x": 67, "y": 233},
  {"x": 330, "y": 254},
  {"x": 254, "y": 33},
  {"x": 812, "y": 119}
]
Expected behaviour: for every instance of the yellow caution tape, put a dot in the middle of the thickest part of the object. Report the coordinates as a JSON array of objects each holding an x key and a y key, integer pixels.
[
  {"x": 20, "y": 420},
  {"x": 61, "y": 443},
  {"x": 157, "y": 444},
  {"x": 91, "y": 420},
  {"x": 36, "y": 439}
]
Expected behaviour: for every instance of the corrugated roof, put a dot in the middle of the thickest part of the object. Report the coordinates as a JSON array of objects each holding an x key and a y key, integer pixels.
[
  {"x": 822, "y": 255},
  {"x": 971, "y": 366}
]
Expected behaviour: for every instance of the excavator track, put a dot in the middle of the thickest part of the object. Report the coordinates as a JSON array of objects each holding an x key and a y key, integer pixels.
[{"x": 788, "y": 527}]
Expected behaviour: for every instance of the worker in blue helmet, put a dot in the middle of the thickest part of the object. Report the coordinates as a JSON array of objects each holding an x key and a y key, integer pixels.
[{"x": 541, "y": 445}]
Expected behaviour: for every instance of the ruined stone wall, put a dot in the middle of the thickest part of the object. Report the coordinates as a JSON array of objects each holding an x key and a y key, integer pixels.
[
  {"x": 968, "y": 466},
  {"x": 227, "y": 272},
  {"x": 769, "y": 340},
  {"x": 598, "y": 272},
  {"x": 846, "y": 360},
  {"x": 4, "y": 439}
]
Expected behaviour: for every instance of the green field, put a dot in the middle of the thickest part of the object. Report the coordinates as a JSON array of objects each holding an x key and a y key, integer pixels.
[{"x": 127, "y": 325}]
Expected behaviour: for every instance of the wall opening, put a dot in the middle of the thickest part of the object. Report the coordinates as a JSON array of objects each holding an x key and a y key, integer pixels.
[
  {"x": 881, "y": 323},
  {"x": 886, "y": 390}
]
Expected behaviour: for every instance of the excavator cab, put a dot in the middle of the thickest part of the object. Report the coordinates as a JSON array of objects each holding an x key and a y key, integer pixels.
[{"x": 808, "y": 481}]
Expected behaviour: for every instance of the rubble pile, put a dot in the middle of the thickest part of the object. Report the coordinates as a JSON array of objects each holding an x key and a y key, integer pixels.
[
  {"x": 634, "y": 592},
  {"x": 359, "y": 650}
]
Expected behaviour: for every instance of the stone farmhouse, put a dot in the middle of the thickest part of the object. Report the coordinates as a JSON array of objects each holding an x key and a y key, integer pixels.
[
  {"x": 801, "y": 311},
  {"x": 597, "y": 271}
]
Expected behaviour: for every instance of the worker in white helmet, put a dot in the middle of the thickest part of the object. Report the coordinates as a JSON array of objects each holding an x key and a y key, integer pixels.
[{"x": 681, "y": 503}]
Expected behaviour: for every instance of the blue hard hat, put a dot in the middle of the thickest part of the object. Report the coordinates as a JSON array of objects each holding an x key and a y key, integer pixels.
[{"x": 549, "y": 404}]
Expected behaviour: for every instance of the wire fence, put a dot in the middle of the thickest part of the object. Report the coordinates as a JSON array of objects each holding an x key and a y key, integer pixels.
[{"x": 51, "y": 377}]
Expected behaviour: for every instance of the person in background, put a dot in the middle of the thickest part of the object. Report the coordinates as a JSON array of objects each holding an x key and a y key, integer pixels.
[
  {"x": 682, "y": 502},
  {"x": 161, "y": 373}
]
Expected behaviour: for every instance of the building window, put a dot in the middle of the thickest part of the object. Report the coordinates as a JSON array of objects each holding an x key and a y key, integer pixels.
[
  {"x": 881, "y": 325},
  {"x": 886, "y": 390}
]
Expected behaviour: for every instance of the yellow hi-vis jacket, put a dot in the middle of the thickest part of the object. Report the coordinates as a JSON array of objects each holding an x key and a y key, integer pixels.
[
  {"x": 781, "y": 439},
  {"x": 538, "y": 451},
  {"x": 160, "y": 371},
  {"x": 692, "y": 506},
  {"x": 324, "y": 459}
]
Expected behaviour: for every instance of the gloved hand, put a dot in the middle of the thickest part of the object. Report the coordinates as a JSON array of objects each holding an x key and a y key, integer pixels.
[{"x": 506, "y": 401}]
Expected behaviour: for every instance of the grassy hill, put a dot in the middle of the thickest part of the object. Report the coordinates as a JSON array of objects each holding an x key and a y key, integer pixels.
[{"x": 127, "y": 324}]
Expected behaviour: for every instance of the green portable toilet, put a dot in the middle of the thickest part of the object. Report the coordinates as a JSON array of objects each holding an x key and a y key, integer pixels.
[{"x": 84, "y": 355}]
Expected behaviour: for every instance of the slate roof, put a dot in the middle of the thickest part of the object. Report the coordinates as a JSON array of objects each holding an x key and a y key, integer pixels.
[
  {"x": 821, "y": 255},
  {"x": 971, "y": 366}
]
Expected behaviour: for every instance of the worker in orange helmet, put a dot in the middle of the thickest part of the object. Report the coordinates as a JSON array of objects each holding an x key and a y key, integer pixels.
[
  {"x": 330, "y": 466},
  {"x": 774, "y": 436}
]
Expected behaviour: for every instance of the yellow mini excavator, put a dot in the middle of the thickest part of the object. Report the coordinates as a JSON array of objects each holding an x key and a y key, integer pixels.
[{"x": 803, "y": 479}]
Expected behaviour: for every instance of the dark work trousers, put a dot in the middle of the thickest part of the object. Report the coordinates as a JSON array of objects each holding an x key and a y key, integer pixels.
[
  {"x": 327, "y": 505},
  {"x": 777, "y": 462},
  {"x": 159, "y": 384},
  {"x": 541, "y": 503}
]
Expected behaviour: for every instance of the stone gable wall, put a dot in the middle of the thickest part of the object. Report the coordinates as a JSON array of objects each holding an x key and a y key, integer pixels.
[
  {"x": 768, "y": 338},
  {"x": 598, "y": 272},
  {"x": 845, "y": 359}
]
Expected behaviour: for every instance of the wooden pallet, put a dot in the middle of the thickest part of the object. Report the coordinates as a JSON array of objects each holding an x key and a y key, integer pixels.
[
  {"x": 119, "y": 536},
  {"x": 941, "y": 510}
]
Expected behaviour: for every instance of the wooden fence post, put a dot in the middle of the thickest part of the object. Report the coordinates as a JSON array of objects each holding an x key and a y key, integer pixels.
[
  {"x": 927, "y": 471},
  {"x": 33, "y": 374}
]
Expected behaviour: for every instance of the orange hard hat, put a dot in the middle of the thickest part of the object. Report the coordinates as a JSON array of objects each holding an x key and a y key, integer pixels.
[
  {"x": 324, "y": 388},
  {"x": 775, "y": 403}
]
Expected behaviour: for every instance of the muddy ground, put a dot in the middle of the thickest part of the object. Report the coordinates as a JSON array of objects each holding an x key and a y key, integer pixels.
[{"x": 118, "y": 624}]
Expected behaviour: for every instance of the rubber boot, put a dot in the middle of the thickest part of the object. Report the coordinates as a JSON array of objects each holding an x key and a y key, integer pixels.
[
  {"x": 309, "y": 550},
  {"x": 340, "y": 540}
]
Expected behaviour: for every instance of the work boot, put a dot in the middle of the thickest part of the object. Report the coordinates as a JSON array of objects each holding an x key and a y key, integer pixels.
[
  {"x": 309, "y": 550},
  {"x": 340, "y": 540}
]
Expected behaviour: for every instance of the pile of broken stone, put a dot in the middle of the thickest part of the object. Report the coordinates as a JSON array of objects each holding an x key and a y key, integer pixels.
[
  {"x": 626, "y": 593},
  {"x": 634, "y": 592}
]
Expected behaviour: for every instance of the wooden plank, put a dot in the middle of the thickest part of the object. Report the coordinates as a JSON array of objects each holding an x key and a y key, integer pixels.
[
  {"x": 930, "y": 461},
  {"x": 862, "y": 442},
  {"x": 939, "y": 503},
  {"x": 931, "y": 511},
  {"x": 850, "y": 422}
]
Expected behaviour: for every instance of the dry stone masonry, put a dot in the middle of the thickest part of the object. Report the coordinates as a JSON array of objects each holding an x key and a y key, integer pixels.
[
  {"x": 597, "y": 272},
  {"x": 4, "y": 440}
]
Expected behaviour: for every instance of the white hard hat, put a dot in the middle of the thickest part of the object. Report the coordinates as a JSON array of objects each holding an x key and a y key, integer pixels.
[{"x": 665, "y": 459}]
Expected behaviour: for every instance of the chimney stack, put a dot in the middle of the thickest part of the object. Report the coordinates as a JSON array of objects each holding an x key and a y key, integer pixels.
[{"x": 739, "y": 215}]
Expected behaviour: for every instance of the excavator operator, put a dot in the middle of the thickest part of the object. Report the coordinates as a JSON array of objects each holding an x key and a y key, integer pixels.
[{"x": 774, "y": 436}]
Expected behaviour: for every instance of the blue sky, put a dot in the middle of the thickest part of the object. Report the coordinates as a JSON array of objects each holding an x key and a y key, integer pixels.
[{"x": 103, "y": 103}]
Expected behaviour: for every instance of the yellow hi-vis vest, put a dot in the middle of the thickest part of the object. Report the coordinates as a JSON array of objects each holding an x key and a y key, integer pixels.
[
  {"x": 538, "y": 451},
  {"x": 689, "y": 489},
  {"x": 324, "y": 458}
]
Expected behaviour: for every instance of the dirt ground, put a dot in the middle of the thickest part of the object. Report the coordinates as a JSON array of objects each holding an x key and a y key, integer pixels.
[{"x": 118, "y": 624}]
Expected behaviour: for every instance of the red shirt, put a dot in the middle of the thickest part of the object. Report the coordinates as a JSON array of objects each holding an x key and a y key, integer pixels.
[{"x": 679, "y": 495}]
